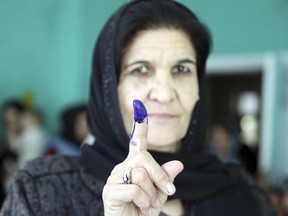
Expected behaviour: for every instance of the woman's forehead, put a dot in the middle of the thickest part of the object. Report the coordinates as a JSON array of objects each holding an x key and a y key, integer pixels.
[
  {"x": 164, "y": 35},
  {"x": 152, "y": 42}
]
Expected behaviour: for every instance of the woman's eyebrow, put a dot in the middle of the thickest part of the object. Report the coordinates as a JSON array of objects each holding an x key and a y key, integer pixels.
[
  {"x": 134, "y": 63},
  {"x": 183, "y": 61}
]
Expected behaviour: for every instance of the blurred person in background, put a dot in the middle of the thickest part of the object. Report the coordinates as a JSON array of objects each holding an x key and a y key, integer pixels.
[
  {"x": 276, "y": 184},
  {"x": 276, "y": 196},
  {"x": 8, "y": 166},
  {"x": 11, "y": 117},
  {"x": 225, "y": 142},
  {"x": 74, "y": 129},
  {"x": 31, "y": 141},
  {"x": 284, "y": 202},
  {"x": 11, "y": 124}
]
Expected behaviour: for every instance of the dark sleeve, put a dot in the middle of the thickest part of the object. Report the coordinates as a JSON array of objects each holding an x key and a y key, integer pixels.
[
  {"x": 265, "y": 204},
  {"x": 22, "y": 198}
]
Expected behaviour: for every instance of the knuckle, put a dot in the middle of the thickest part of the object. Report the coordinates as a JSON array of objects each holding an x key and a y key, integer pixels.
[
  {"x": 109, "y": 180},
  {"x": 139, "y": 175},
  {"x": 143, "y": 157},
  {"x": 117, "y": 168},
  {"x": 145, "y": 204},
  {"x": 142, "y": 202},
  {"x": 105, "y": 192},
  {"x": 134, "y": 191}
]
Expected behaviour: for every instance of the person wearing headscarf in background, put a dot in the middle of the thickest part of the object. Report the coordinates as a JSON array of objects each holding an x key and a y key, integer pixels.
[
  {"x": 284, "y": 199},
  {"x": 224, "y": 140},
  {"x": 74, "y": 129},
  {"x": 31, "y": 141},
  {"x": 8, "y": 166},
  {"x": 154, "y": 51},
  {"x": 11, "y": 122},
  {"x": 11, "y": 112}
]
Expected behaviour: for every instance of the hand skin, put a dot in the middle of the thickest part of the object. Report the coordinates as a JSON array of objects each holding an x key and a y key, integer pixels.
[{"x": 151, "y": 183}]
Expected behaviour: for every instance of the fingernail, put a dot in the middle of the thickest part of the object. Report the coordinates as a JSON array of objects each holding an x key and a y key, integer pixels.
[
  {"x": 170, "y": 188},
  {"x": 140, "y": 112}
]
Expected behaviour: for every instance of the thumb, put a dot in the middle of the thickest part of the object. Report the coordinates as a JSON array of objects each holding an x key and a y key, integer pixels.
[{"x": 173, "y": 168}]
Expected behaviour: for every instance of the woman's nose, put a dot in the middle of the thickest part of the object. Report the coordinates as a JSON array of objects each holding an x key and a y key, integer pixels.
[{"x": 163, "y": 89}]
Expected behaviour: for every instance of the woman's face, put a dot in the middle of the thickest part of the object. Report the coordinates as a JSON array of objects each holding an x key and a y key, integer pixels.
[
  {"x": 159, "y": 68},
  {"x": 81, "y": 128},
  {"x": 221, "y": 141}
]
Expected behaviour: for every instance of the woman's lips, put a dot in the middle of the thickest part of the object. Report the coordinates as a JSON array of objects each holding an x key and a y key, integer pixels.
[{"x": 161, "y": 116}]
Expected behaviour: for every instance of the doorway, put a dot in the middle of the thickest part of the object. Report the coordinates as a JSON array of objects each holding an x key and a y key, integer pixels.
[{"x": 234, "y": 97}]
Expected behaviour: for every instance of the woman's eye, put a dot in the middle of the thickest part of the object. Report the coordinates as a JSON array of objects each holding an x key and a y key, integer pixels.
[
  {"x": 181, "y": 69},
  {"x": 141, "y": 69}
]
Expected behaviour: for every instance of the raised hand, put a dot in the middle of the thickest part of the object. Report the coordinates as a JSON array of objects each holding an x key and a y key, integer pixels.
[{"x": 139, "y": 185}]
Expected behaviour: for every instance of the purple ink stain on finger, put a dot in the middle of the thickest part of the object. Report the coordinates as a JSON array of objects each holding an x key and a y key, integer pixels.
[
  {"x": 140, "y": 112},
  {"x": 132, "y": 132},
  {"x": 133, "y": 143}
]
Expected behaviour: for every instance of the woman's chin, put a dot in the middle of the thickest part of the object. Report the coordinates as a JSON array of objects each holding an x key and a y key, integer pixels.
[{"x": 163, "y": 146}]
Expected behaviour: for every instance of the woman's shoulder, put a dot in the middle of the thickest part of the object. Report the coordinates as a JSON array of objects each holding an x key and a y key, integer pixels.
[
  {"x": 58, "y": 169},
  {"x": 52, "y": 165},
  {"x": 53, "y": 185}
]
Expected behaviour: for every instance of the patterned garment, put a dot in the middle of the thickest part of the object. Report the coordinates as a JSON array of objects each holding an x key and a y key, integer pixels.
[{"x": 58, "y": 185}]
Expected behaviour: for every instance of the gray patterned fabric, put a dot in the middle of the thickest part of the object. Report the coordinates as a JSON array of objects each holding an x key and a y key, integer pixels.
[
  {"x": 59, "y": 186},
  {"x": 54, "y": 186}
]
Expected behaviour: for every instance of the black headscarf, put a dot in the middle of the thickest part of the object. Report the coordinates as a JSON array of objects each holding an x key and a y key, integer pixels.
[{"x": 204, "y": 176}]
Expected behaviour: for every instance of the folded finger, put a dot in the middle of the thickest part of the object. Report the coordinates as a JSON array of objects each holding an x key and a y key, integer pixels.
[
  {"x": 157, "y": 174},
  {"x": 125, "y": 193},
  {"x": 139, "y": 177}
]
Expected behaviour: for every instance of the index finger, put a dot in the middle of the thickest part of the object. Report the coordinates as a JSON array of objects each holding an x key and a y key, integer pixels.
[{"x": 138, "y": 136}]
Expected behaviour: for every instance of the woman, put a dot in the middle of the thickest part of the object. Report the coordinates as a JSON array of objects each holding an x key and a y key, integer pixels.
[
  {"x": 154, "y": 51},
  {"x": 225, "y": 140}
]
